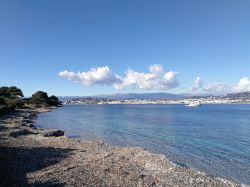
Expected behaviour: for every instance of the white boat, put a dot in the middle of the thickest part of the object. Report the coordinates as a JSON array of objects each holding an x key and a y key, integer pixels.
[{"x": 194, "y": 104}]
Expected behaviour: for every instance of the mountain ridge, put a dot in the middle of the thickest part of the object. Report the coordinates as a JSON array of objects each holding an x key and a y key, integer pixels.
[{"x": 157, "y": 95}]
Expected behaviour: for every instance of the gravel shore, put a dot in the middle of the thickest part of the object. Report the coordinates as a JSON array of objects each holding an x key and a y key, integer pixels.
[{"x": 45, "y": 157}]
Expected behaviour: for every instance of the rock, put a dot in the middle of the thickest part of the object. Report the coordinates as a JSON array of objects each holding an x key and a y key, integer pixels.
[
  {"x": 21, "y": 132},
  {"x": 28, "y": 121},
  {"x": 3, "y": 127},
  {"x": 25, "y": 124},
  {"x": 51, "y": 132},
  {"x": 30, "y": 125}
]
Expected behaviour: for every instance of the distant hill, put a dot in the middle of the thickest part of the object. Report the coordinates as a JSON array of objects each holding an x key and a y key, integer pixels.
[
  {"x": 66, "y": 98},
  {"x": 242, "y": 96},
  {"x": 122, "y": 96}
]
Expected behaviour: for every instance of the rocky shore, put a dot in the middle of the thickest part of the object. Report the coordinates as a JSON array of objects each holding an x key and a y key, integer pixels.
[{"x": 39, "y": 157}]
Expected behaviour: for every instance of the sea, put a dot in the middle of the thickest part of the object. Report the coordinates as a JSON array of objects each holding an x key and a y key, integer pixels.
[{"x": 212, "y": 138}]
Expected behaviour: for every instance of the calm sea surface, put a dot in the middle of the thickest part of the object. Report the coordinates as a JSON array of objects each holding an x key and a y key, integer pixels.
[{"x": 212, "y": 138}]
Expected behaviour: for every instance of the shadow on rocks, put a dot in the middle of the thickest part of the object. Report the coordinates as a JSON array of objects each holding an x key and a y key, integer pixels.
[
  {"x": 2, "y": 128},
  {"x": 15, "y": 162},
  {"x": 21, "y": 133},
  {"x": 48, "y": 184}
]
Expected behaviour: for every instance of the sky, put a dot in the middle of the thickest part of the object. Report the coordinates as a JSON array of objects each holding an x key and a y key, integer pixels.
[{"x": 91, "y": 47}]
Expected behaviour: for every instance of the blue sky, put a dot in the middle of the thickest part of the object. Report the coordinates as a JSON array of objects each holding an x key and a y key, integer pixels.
[{"x": 209, "y": 39}]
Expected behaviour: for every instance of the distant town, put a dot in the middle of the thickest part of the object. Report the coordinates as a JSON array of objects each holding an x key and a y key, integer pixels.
[{"x": 243, "y": 97}]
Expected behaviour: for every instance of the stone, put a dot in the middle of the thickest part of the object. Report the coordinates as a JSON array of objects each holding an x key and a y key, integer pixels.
[{"x": 54, "y": 133}]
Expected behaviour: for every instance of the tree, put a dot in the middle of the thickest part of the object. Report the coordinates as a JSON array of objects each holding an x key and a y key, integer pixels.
[
  {"x": 15, "y": 92},
  {"x": 14, "y": 103},
  {"x": 4, "y": 91},
  {"x": 10, "y": 92},
  {"x": 54, "y": 101},
  {"x": 40, "y": 98},
  {"x": 10, "y": 97}
]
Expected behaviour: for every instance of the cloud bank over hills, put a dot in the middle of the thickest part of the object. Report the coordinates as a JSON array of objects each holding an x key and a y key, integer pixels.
[
  {"x": 242, "y": 86},
  {"x": 156, "y": 79}
]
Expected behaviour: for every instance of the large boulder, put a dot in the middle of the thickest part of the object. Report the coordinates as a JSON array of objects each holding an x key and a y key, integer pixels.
[{"x": 53, "y": 132}]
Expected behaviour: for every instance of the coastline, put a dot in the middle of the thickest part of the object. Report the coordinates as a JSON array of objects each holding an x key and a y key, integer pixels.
[{"x": 44, "y": 157}]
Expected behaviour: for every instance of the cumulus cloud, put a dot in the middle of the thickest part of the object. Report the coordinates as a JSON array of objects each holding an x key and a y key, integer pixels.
[
  {"x": 156, "y": 79},
  {"x": 242, "y": 86},
  {"x": 100, "y": 75},
  {"x": 197, "y": 84}
]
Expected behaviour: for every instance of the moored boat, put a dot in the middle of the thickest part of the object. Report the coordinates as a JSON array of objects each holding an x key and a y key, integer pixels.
[{"x": 194, "y": 104}]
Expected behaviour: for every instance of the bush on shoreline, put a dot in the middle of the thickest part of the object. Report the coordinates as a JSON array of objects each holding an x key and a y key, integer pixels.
[
  {"x": 11, "y": 98},
  {"x": 41, "y": 99}
]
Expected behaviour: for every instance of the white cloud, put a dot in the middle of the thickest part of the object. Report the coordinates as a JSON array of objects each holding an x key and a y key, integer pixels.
[
  {"x": 100, "y": 75},
  {"x": 197, "y": 84},
  {"x": 156, "y": 79},
  {"x": 242, "y": 86},
  {"x": 218, "y": 87}
]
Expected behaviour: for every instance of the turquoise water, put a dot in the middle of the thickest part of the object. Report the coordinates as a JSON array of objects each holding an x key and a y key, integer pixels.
[{"x": 212, "y": 138}]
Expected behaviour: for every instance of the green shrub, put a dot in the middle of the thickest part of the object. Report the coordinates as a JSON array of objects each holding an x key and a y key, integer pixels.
[
  {"x": 14, "y": 103},
  {"x": 41, "y": 99},
  {"x": 54, "y": 101},
  {"x": 10, "y": 98},
  {"x": 10, "y": 92}
]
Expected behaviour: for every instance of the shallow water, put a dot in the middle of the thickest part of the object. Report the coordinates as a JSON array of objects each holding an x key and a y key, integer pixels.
[{"x": 212, "y": 138}]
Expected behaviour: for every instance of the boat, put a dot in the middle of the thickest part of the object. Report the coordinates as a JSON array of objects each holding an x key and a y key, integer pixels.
[{"x": 194, "y": 104}]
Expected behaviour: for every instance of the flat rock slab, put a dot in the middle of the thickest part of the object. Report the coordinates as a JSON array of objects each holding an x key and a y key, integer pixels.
[{"x": 52, "y": 132}]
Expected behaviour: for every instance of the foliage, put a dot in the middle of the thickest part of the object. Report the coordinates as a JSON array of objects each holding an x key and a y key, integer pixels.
[
  {"x": 54, "y": 101},
  {"x": 10, "y": 98},
  {"x": 41, "y": 98},
  {"x": 14, "y": 103},
  {"x": 10, "y": 92}
]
